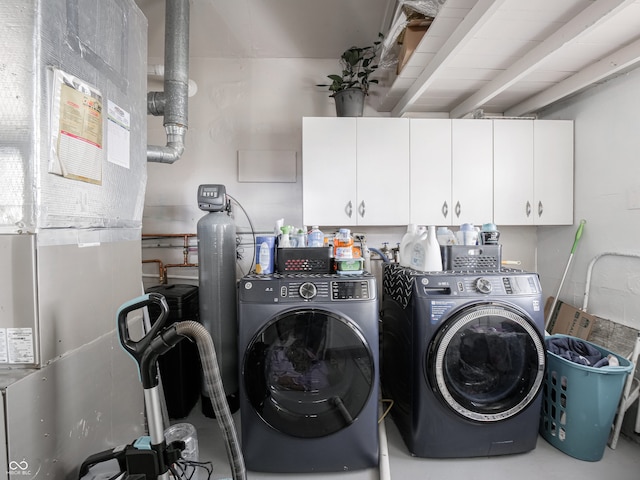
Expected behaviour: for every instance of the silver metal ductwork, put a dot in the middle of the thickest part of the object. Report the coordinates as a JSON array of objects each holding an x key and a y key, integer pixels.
[{"x": 173, "y": 102}]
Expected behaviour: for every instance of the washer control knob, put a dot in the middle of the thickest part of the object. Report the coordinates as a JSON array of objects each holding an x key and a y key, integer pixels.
[
  {"x": 483, "y": 285},
  {"x": 308, "y": 290}
]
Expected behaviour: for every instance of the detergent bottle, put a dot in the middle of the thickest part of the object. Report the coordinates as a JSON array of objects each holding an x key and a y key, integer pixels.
[
  {"x": 426, "y": 256},
  {"x": 406, "y": 245}
]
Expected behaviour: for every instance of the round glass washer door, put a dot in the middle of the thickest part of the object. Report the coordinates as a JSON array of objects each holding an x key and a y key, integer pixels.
[
  {"x": 308, "y": 373},
  {"x": 486, "y": 363}
]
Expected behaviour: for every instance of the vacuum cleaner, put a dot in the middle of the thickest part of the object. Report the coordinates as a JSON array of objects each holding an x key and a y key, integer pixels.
[{"x": 149, "y": 457}]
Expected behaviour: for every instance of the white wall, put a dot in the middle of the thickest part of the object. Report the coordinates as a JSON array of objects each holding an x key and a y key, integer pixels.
[
  {"x": 607, "y": 196},
  {"x": 255, "y": 104}
]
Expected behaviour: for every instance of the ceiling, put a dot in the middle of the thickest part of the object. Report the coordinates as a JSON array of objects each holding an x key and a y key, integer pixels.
[{"x": 505, "y": 57}]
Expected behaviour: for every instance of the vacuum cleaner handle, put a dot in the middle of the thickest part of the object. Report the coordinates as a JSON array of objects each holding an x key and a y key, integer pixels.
[
  {"x": 156, "y": 342},
  {"x": 136, "y": 349}
]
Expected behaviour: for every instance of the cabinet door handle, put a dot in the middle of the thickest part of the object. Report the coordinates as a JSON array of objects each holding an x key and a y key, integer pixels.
[
  {"x": 362, "y": 209},
  {"x": 528, "y": 209},
  {"x": 445, "y": 209},
  {"x": 540, "y": 209},
  {"x": 458, "y": 209},
  {"x": 348, "y": 209}
]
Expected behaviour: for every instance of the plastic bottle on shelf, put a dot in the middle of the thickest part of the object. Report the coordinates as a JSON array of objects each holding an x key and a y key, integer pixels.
[
  {"x": 300, "y": 238},
  {"x": 406, "y": 243},
  {"x": 315, "y": 238},
  {"x": 426, "y": 255},
  {"x": 445, "y": 236},
  {"x": 284, "y": 240},
  {"x": 343, "y": 244},
  {"x": 434, "y": 255}
]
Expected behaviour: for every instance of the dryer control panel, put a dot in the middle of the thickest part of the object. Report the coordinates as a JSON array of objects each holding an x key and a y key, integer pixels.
[{"x": 296, "y": 288}]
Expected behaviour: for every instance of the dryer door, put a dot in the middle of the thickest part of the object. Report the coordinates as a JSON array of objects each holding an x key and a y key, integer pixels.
[
  {"x": 486, "y": 363},
  {"x": 308, "y": 372}
]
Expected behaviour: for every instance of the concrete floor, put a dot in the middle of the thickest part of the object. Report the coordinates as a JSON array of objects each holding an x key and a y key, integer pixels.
[{"x": 544, "y": 462}]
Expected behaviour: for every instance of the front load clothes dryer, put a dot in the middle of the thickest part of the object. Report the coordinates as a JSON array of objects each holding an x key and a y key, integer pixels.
[
  {"x": 308, "y": 348},
  {"x": 463, "y": 359}
]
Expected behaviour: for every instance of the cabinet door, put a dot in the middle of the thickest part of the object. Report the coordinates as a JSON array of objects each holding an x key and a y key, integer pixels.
[
  {"x": 513, "y": 172},
  {"x": 383, "y": 171},
  {"x": 472, "y": 157},
  {"x": 553, "y": 176},
  {"x": 430, "y": 171},
  {"x": 329, "y": 171}
]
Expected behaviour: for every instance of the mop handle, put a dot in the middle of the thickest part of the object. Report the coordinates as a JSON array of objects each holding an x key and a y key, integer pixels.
[
  {"x": 578, "y": 235},
  {"x": 566, "y": 270}
]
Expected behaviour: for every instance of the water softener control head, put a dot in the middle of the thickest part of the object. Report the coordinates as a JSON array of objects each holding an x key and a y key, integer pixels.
[{"x": 212, "y": 198}]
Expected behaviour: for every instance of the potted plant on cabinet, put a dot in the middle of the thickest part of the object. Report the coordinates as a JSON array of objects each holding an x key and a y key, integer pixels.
[{"x": 349, "y": 88}]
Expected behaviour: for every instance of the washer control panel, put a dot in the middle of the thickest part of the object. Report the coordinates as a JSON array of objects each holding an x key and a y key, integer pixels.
[{"x": 479, "y": 284}]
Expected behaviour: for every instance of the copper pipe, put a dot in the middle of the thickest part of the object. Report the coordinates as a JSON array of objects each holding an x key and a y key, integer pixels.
[
  {"x": 172, "y": 265},
  {"x": 161, "y": 268},
  {"x": 168, "y": 235},
  {"x": 185, "y": 251}
]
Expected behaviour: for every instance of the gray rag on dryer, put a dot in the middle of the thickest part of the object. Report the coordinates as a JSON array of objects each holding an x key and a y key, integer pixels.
[{"x": 577, "y": 351}]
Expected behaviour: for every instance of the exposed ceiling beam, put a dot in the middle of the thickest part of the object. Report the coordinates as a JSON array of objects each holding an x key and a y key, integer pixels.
[
  {"x": 472, "y": 22},
  {"x": 624, "y": 59},
  {"x": 591, "y": 17}
]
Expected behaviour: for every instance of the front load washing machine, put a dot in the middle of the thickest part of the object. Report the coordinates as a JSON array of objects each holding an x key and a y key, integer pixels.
[
  {"x": 308, "y": 347},
  {"x": 463, "y": 359}
]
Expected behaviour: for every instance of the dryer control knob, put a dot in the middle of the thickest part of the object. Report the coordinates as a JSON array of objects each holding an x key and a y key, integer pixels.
[
  {"x": 308, "y": 290},
  {"x": 483, "y": 285}
]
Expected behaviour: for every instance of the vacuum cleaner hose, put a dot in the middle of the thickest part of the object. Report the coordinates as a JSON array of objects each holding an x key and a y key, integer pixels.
[{"x": 215, "y": 390}]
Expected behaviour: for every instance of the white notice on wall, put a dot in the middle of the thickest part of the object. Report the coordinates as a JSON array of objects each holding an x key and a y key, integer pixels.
[
  {"x": 20, "y": 345},
  {"x": 4, "y": 358},
  {"x": 118, "y": 135}
]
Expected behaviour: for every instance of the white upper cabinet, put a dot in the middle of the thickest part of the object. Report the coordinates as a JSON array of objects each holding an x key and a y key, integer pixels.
[
  {"x": 451, "y": 171},
  {"x": 553, "y": 172},
  {"x": 472, "y": 167},
  {"x": 355, "y": 171},
  {"x": 383, "y": 171},
  {"x": 533, "y": 172},
  {"x": 430, "y": 171},
  {"x": 513, "y": 172},
  {"x": 328, "y": 171},
  {"x": 396, "y": 171}
]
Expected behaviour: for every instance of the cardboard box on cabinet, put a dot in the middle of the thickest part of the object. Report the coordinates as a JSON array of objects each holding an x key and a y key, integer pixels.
[{"x": 569, "y": 320}]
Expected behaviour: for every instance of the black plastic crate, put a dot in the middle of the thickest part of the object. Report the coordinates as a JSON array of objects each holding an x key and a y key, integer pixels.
[
  {"x": 304, "y": 260},
  {"x": 466, "y": 258}
]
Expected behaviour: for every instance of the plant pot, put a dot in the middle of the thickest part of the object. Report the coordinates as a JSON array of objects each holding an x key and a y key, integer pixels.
[{"x": 349, "y": 102}]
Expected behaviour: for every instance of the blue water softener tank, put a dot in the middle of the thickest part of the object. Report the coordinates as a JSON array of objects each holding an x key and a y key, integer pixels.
[{"x": 217, "y": 272}]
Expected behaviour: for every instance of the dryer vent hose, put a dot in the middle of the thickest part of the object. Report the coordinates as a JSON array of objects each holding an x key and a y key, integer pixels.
[{"x": 215, "y": 391}]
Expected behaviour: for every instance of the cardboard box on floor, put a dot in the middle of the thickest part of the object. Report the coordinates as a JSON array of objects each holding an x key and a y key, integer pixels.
[{"x": 568, "y": 320}]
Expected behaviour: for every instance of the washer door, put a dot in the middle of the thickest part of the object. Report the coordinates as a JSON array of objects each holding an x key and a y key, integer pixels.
[
  {"x": 486, "y": 363},
  {"x": 308, "y": 373}
]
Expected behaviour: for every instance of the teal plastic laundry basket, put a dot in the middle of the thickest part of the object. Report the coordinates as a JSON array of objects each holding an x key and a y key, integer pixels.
[{"x": 579, "y": 403}]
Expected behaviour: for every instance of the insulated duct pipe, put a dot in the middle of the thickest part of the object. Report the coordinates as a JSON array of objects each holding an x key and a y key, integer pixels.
[{"x": 173, "y": 102}]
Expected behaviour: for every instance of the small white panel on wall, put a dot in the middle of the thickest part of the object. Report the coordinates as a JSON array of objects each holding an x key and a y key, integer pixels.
[{"x": 267, "y": 166}]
